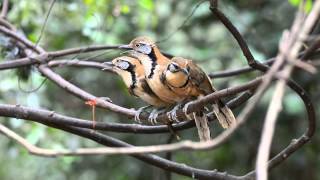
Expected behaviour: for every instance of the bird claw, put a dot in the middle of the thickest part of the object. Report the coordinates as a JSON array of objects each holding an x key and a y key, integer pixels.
[
  {"x": 184, "y": 109},
  {"x": 169, "y": 116},
  {"x": 172, "y": 115},
  {"x": 206, "y": 108},
  {"x": 137, "y": 115},
  {"x": 153, "y": 117}
]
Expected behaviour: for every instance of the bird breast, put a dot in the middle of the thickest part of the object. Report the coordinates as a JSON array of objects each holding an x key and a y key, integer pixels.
[
  {"x": 162, "y": 90},
  {"x": 177, "y": 79}
]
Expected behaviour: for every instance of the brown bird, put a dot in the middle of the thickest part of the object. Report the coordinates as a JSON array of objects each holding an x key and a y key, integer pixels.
[
  {"x": 167, "y": 84},
  {"x": 132, "y": 73},
  {"x": 154, "y": 63},
  {"x": 194, "y": 82}
]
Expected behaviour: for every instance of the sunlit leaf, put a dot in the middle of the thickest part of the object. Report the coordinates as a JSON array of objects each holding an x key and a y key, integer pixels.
[
  {"x": 88, "y": 2},
  {"x": 125, "y": 9},
  {"x": 147, "y": 4},
  {"x": 294, "y": 2},
  {"x": 308, "y": 6}
]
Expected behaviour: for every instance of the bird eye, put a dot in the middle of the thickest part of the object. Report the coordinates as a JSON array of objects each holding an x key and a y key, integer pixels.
[
  {"x": 173, "y": 67},
  {"x": 143, "y": 48}
]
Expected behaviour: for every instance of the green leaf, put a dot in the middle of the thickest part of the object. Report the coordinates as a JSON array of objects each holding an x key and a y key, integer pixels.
[
  {"x": 125, "y": 9},
  {"x": 146, "y": 4},
  {"x": 88, "y": 2},
  {"x": 294, "y": 2},
  {"x": 308, "y": 6}
]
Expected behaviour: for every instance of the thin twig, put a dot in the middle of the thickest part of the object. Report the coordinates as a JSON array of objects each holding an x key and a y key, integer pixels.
[
  {"x": 236, "y": 34},
  {"x": 30, "y": 147},
  {"x": 268, "y": 130},
  {"x": 245, "y": 113},
  {"x": 183, "y": 23},
  {"x": 79, "y": 63},
  {"x": 291, "y": 53},
  {"x": 24, "y": 41},
  {"x": 4, "y": 10},
  {"x": 32, "y": 90},
  {"x": 45, "y": 22},
  {"x": 154, "y": 160}
]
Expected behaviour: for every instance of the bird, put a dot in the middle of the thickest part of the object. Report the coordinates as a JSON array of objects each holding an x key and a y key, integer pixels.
[
  {"x": 132, "y": 73},
  {"x": 157, "y": 75},
  {"x": 154, "y": 63},
  {"x": 183, "y": 76}
]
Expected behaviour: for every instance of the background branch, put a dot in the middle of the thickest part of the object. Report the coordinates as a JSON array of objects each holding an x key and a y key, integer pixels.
[{"x": 4, "y": 10}]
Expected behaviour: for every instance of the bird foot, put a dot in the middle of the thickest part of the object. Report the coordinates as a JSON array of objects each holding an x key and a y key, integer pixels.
[
  {"x": 185, "y": 109},
  {"x": 172, "y": 115},
  {"x": 137, "y": 115},
  {"x": 154, "y": 115}
]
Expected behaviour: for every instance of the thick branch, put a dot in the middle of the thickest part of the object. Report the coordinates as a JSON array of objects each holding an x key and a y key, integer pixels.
[
  {"x": 46, "y": 116},
  {"x": 24, "y": 41},
  {"x": 149, "y": 158}
]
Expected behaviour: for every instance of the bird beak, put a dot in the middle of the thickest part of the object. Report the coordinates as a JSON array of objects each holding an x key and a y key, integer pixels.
[
  {"x": 108, "y": 66},
  {"x": 127, "y": 52},
  {"x": 127, "y": 47}
]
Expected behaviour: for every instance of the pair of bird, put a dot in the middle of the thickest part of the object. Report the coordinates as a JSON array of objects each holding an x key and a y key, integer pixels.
[{"x": 163, "y": 82}]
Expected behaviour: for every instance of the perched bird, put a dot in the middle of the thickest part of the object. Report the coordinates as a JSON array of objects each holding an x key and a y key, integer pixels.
[
  {"x": 154, "y": 63},
  {"x": 183, "y": 77},
  {"x": 173, "y": 84},
  {"x": 132, "y": 72}
]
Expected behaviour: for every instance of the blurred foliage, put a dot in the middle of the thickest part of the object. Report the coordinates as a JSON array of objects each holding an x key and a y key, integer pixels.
[
  {"x": 203, "y": 38},
  {"x": 307, "y": 5}
]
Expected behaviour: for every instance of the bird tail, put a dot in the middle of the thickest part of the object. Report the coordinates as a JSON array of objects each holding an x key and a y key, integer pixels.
[
  {"x": 202, "y": 126},
  {"x": 224, "y": 114}
]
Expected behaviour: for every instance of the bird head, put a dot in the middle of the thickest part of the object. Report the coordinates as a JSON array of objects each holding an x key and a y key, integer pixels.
[
  {"x": 174, "y": 67},
  {"x": 176, "y": 75},
  {"x": 127, "y": 67},
  {"x": 123, "y": 63},
  {"x": 141, "y": 44}
]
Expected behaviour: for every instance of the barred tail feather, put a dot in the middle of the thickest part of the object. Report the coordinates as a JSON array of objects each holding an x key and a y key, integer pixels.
[
  {"x": 202, "y": 126},
  {"x": 224, "y": 115}
]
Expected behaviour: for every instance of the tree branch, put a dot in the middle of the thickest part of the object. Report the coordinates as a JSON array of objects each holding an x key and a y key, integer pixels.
[
  {"x": 157, "y": 161},
  {"x": 4, "y": 10}
]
